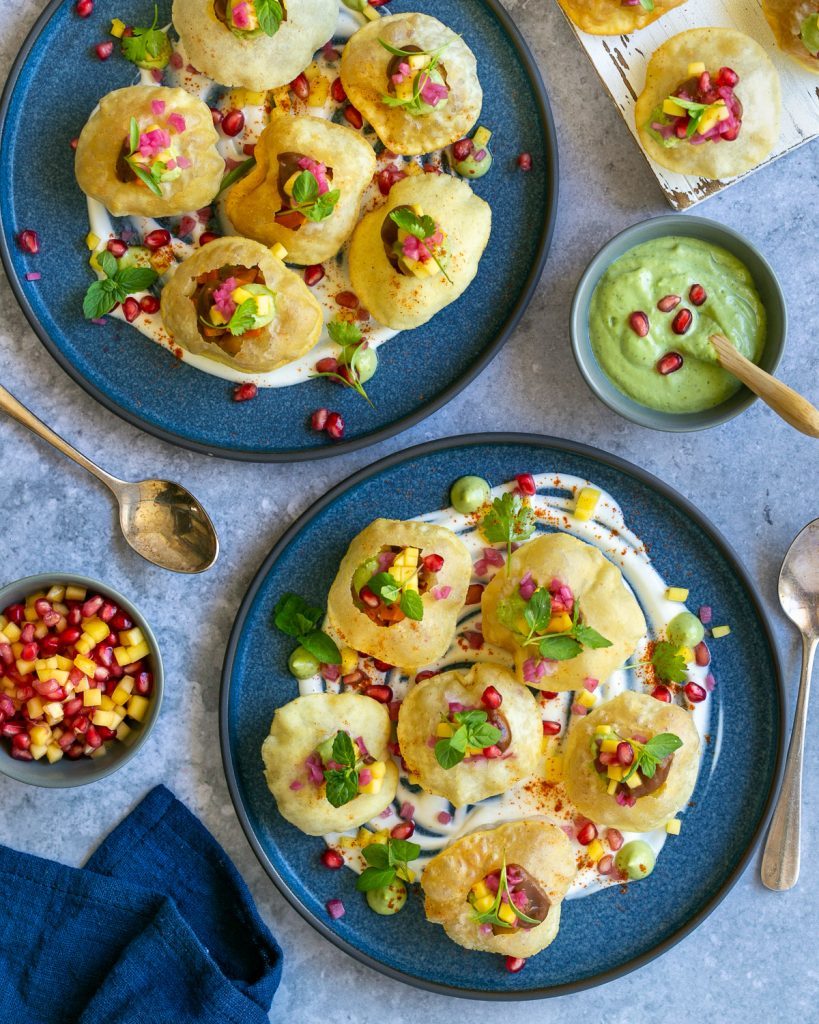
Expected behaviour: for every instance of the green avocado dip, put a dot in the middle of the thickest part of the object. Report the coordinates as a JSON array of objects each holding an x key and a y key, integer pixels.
[{"x": 651, "y": 316}]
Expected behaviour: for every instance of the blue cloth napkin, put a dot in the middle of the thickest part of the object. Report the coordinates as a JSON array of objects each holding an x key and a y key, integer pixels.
[{"x": 157, "y": 928}]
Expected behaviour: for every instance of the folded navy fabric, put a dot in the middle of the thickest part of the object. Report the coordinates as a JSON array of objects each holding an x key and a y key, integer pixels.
[{"x": 157, "y": 928}]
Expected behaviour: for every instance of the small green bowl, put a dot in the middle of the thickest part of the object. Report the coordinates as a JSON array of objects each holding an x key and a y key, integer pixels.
[
  {"x": 706, "y": 231},
  {"x": 65, "y": 773}
]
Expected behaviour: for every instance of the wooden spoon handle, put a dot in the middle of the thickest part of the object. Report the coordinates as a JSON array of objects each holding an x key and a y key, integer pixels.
[{"x": 784, "y": 401}]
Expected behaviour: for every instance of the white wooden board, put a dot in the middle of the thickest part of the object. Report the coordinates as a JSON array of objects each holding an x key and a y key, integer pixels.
[{"x": 620, "y": 61}]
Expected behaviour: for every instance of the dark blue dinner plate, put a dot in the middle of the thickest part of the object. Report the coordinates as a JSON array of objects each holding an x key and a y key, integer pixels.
[
  {"x": 601, "y": 936},
  {"x": 55, "y": 83}
]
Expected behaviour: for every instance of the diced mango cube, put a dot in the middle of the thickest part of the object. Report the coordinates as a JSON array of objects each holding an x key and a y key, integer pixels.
[
  {"x": 34, "y": 707},
  {"x": 121, "y": 654},
  {"x": 138, "y": 705},
  {"x": 615, "y": 771},
  {"x": 444, "y": 729},
  {"x": 100, "y": 751},
  {"x": 130, "y": 637},
  {"x": 53, "y": 753},
  {"x": 123, "y": 731},
  {"x": 85, "y": 644},
  {"x": 105, "y": 718},
  {"x": 586, "y": 503},
  {"x": 673, "y": 827},
  {"x": 378, "y": 769},
  {"x": 483, "y": 903},
  {"x": 349, "y": 660},
  {"x": 55, "y": 593},
  {"x": 602, "y": 730},
  {"x": 40, "y": 734},
  {"x": 609, "y": 746},
  {"x": 553, "y": 769},
  {"x": 611, "y": 789},
  {"x": 595, "y": 850},
  {"x": 719, "y": 631},
  {"x": 559, "y": 623},
  {"x": 585, "y": 699},
  {"x": 117, "y": 28},
  {"x": 63, "y": 663},
  {"x": 373, "y": 786},
  {"x": 73, "y": 593},
  {"x": 140, "y": 650},
  {"x": 24, "y": 667},
  {"x": 85, "y": 665},
  {"x": 481, "y": 137},
  {"x": 686, "y": 654},
  {"x": 82, "y": 685},
  {"x": 695, "y": 68},
  {"x": 633, "y": 781},
  {"x": 97, "y": 629},
  {"x": 106, "y": 703},
  {"x": 37, "y": 750},
  {"x": 405, "y": 567},
  {"x": 91, "y": 698},
  {"x": 120, "y": 696},
  {"x": 676, "y": 594},
  {"x": 11, "y": 632},
  {"x": 506, "y": 914},
  {"x": 480, "y": 889},
  {"x": 92, "y": 241},
  {"x": 278, "y": 250},
  {"x": 673, "y": 109},
  {"x": 53, "y": 712}
]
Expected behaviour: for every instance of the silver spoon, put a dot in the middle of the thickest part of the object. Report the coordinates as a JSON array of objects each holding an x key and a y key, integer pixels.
[
  {"x": 160, "y": 520},
  {"x": 799, "y": 597}
]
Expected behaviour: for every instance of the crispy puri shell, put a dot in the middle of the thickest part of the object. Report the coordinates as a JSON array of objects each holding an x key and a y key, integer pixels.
[
  {"x": 296, "y": 731},
  {"x": 611, "y": 18},
  {"x": 632, "y": 713},
  {"x": 294, "y": 331},
  {"x": 264, "y": 62},
  {"x": 758, "y": 91},
  {"x": 100, "y": 143},
  {"x": 539, "y": 847},
  {"x": 407, "y": 643},
  {"x": 399, "y": 300},
  {"x": 606, "y": 605},
  {"x": 364, "y": 65},
  {"x": 469, "y": 781},
  {"x": 253, "y": 202},
  {"x": 785, "y": 18}
]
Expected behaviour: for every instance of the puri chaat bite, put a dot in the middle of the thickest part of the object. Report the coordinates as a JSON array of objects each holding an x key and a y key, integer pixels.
[
  {"x": 632, "y": 763},
  {"x": 398, "y": 591},
  {"x": 414, "y": 80},
  {"x": 149, "y": 151},
  {"x": 470, "y": 734},
  {"x": 710, "y": 105},
  {"x": 616, "y": 17},
  {"x": 500, "y": 889},
  {"x": 795, "y": 23},
  {"x": 326, "y": 761},
  {"x": 419, "y": 251},
  {"x": 255, "y": 44},
  {"x": 237, "y": 303},
  {"x": 306, "y": 188},
  {"x": 562, "y": 608}
]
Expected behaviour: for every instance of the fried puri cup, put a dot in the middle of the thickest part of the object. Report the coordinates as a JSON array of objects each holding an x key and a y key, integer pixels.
[
  {"x": 174, "y": 145},
  {"x": 296, "y": 321},
  {"x": 758, "y": 91},
  {"x": 383, "y": 631},
  {"x": 296, "y": 733},
  {"x": 605, "y": 604},
  {"x": 425, "y": 714},
  {"x": 254, "y": 202},
  {"x": 403, "y": 298},
  {"x": 237, "y": 51},
  {"x": 658, "y": 799},
  {"x": 368, "y": 69},
  {"x": 537, "y": 854},
  {"x": 795, "y": 23},
  {"x": 612, "y": 17}
]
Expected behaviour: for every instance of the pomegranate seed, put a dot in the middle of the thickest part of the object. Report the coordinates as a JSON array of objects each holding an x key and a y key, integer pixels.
[
  {"x": 662, "y": 693},
  {"x": 382, "y": 666},
  {"x": 30, "y": 651},
  {"x": 462, "y": 149},
  {"x": 369, "y": 598},
  {"x": 318, "y": 421},
  {"x": 526, "y": 483},
  {"x": 84, "y": 8},
  {"x": 144, "y": 684},
  {"x": 232, "y": 122},
  {"x": 74, "y": 617},
  {"x": 669, "y": 363},
  {"x": 108, "y": 610},
  {"x": 697, "y": 295},
  {"x": 380, "y": 692},
  {"x": 21, "y": 755},
  {"x": 727, "y": 76},
  {"x": 332, "y": 859},
  {"x": 492, "y": 752},
  {"x": 244, "y": 392},
  {"x": 668, "y": 302},
  {"x": 695, "y": 693},
  {"x": 208, "y": 236},
  {"x": 157, "y": 239},
  {"x": 625, "y": 753},
  {"x": 72, "y": 707},
  {"x": 525, "y": 161},
  {"x": 327, "y": 365},
  {"x": 313, "y": 274},
  {"x": 74, "y": 143},
  {"x": 337, "y": 91},
  {"x": 29, "y": 241},
  {"x": 702, "y": 655},
  {"x": 130, "y": 309},
  {"x": 551, "y": 728},
  {"x": 347, "y": 299},
  {"x": 149, "y": 304},
  {"x": 335, "y": 425},
  {"x": 121, "y": 621},
  {"x": 42, "y": 607},
  {"x": 217, "y": 116},
  {"x": 681, "y": 128},
  {"x": 22, "y": 741},
  {"x": 6, "y": 654},
  {"x": 105, "y": 733},
  {"x": 548, "y": 694},
  {"x": 514, "y": 964},
  {"x": 116, "y": 247},
  {"x": 704, "y": 82},
  {"x": 74, "y": 752},
  {"x": 300, "y": 86},
  {"x": 614, "y": 837},
  {"x": 14, "y": 613},
  {"x": 91, "y": 607},
  {"x": 587, "y": 834},
  {"x": 92, "y": 737},
  {"x": 403, "y": 831},
  {"x": 605, "y": 864},
  {"x": 353, "y": 117},
  {"x": 433, "y": 563},
  {"x": 638, "y": 322},
  {"x": 490, "y": 698},
  {"x": 81, "y": 724},
  {"x": 104, "y": 50},
  {"x": 50, "y": 645},
  {"x": 682, "y": 321},
  {"x": 24, "y": 693},
  {"x": 387, "y": 178}
]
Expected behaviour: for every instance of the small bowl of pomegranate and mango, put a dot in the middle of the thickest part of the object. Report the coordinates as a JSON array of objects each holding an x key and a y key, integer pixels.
[{"x": 80, "y": 680}]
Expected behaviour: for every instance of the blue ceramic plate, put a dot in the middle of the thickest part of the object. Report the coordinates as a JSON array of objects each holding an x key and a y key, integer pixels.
[
  {"x": 729, "y": 805},
  {"x": 55, "y": 83}
]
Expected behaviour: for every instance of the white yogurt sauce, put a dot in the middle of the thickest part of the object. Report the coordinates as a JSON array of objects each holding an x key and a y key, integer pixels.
[
  {"x": 607, "y": 530},
  {"x": 336, "y": 277}
]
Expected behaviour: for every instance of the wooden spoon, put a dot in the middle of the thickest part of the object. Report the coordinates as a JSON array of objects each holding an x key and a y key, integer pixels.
[{"x": 784, "y": 401}]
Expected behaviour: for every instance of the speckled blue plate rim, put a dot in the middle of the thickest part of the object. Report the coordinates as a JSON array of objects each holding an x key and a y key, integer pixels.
[
  {"x": 424, "y": 410},
  {"x": 475, "y": 440}
]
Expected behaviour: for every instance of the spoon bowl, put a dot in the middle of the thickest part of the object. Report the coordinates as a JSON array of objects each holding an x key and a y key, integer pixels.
[{"x": 799, "y": 581}]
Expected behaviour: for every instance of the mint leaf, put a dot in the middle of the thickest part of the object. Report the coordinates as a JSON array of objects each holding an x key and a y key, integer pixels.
[
  {"x": 136, "y": 279},
  {"x": 342, "y": 787},
  {"x": 411, "y": 605},
  {"x": 377, "y": 855},
  {"x": 322, "y": 207},
  {"x": 374, "y": 878},
  {"x": 108, "y": 263},
  {"x": 446, "y": 755},
  {"x": 270, "y": 15},
  {"x": 344, "y": 752},
  {"x": 401, "y": 851},
  {"x": 409, "y": 221},
  {"x": 538, "y": 610},
  {"x": 305, "y": 188},
  {"x": 98, "y": 300},
  {"x": 559, "y": 647},
  {"x": 590, "y": 637},
  {"x": 294, "y": 616},
  {"x": 385, "y": 586},
  {"x": 661, "y": 745},
  {"x": 321, "y": 646}
]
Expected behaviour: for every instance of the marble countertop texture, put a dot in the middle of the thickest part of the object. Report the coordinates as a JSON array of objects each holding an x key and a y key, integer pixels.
[{"x": 755, "y": 478}]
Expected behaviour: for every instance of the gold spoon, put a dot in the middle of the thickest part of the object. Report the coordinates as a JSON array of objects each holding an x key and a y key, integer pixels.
[
  {"x": 160, "y": 520},
  {"x": 784, "y": 401}
]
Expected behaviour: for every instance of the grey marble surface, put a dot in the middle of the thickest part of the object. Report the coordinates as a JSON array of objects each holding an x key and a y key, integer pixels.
[{"x": 755, "y": 478}]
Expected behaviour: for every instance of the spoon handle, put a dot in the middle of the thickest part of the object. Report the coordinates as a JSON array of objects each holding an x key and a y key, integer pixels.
[
  {"x": 17, "y": 411},
  {"x": 784, "y": 401},
  {"x": 780, "y": 862}
]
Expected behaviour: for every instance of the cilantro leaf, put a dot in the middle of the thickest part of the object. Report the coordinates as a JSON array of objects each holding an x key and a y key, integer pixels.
[
  {"x": 668, "y": 662},
  {"x": 321, "y": 646},
  {"x": 294, "y": 616},
  {"x": 147, "y": 47},
  {"x": 344, "y": 333},
  {"x": 508, "y": 520},
  {"x": 243, "y": 319},
  {"x": 411, "y": 605},
  {"x": 271, "y": 14},
  {"x": 559, "y": 647}
]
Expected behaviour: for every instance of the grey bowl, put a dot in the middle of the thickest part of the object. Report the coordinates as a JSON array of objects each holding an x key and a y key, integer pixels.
[
  {"x": 691, "y": 227},
  {"x": 65, "y": 773}
]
